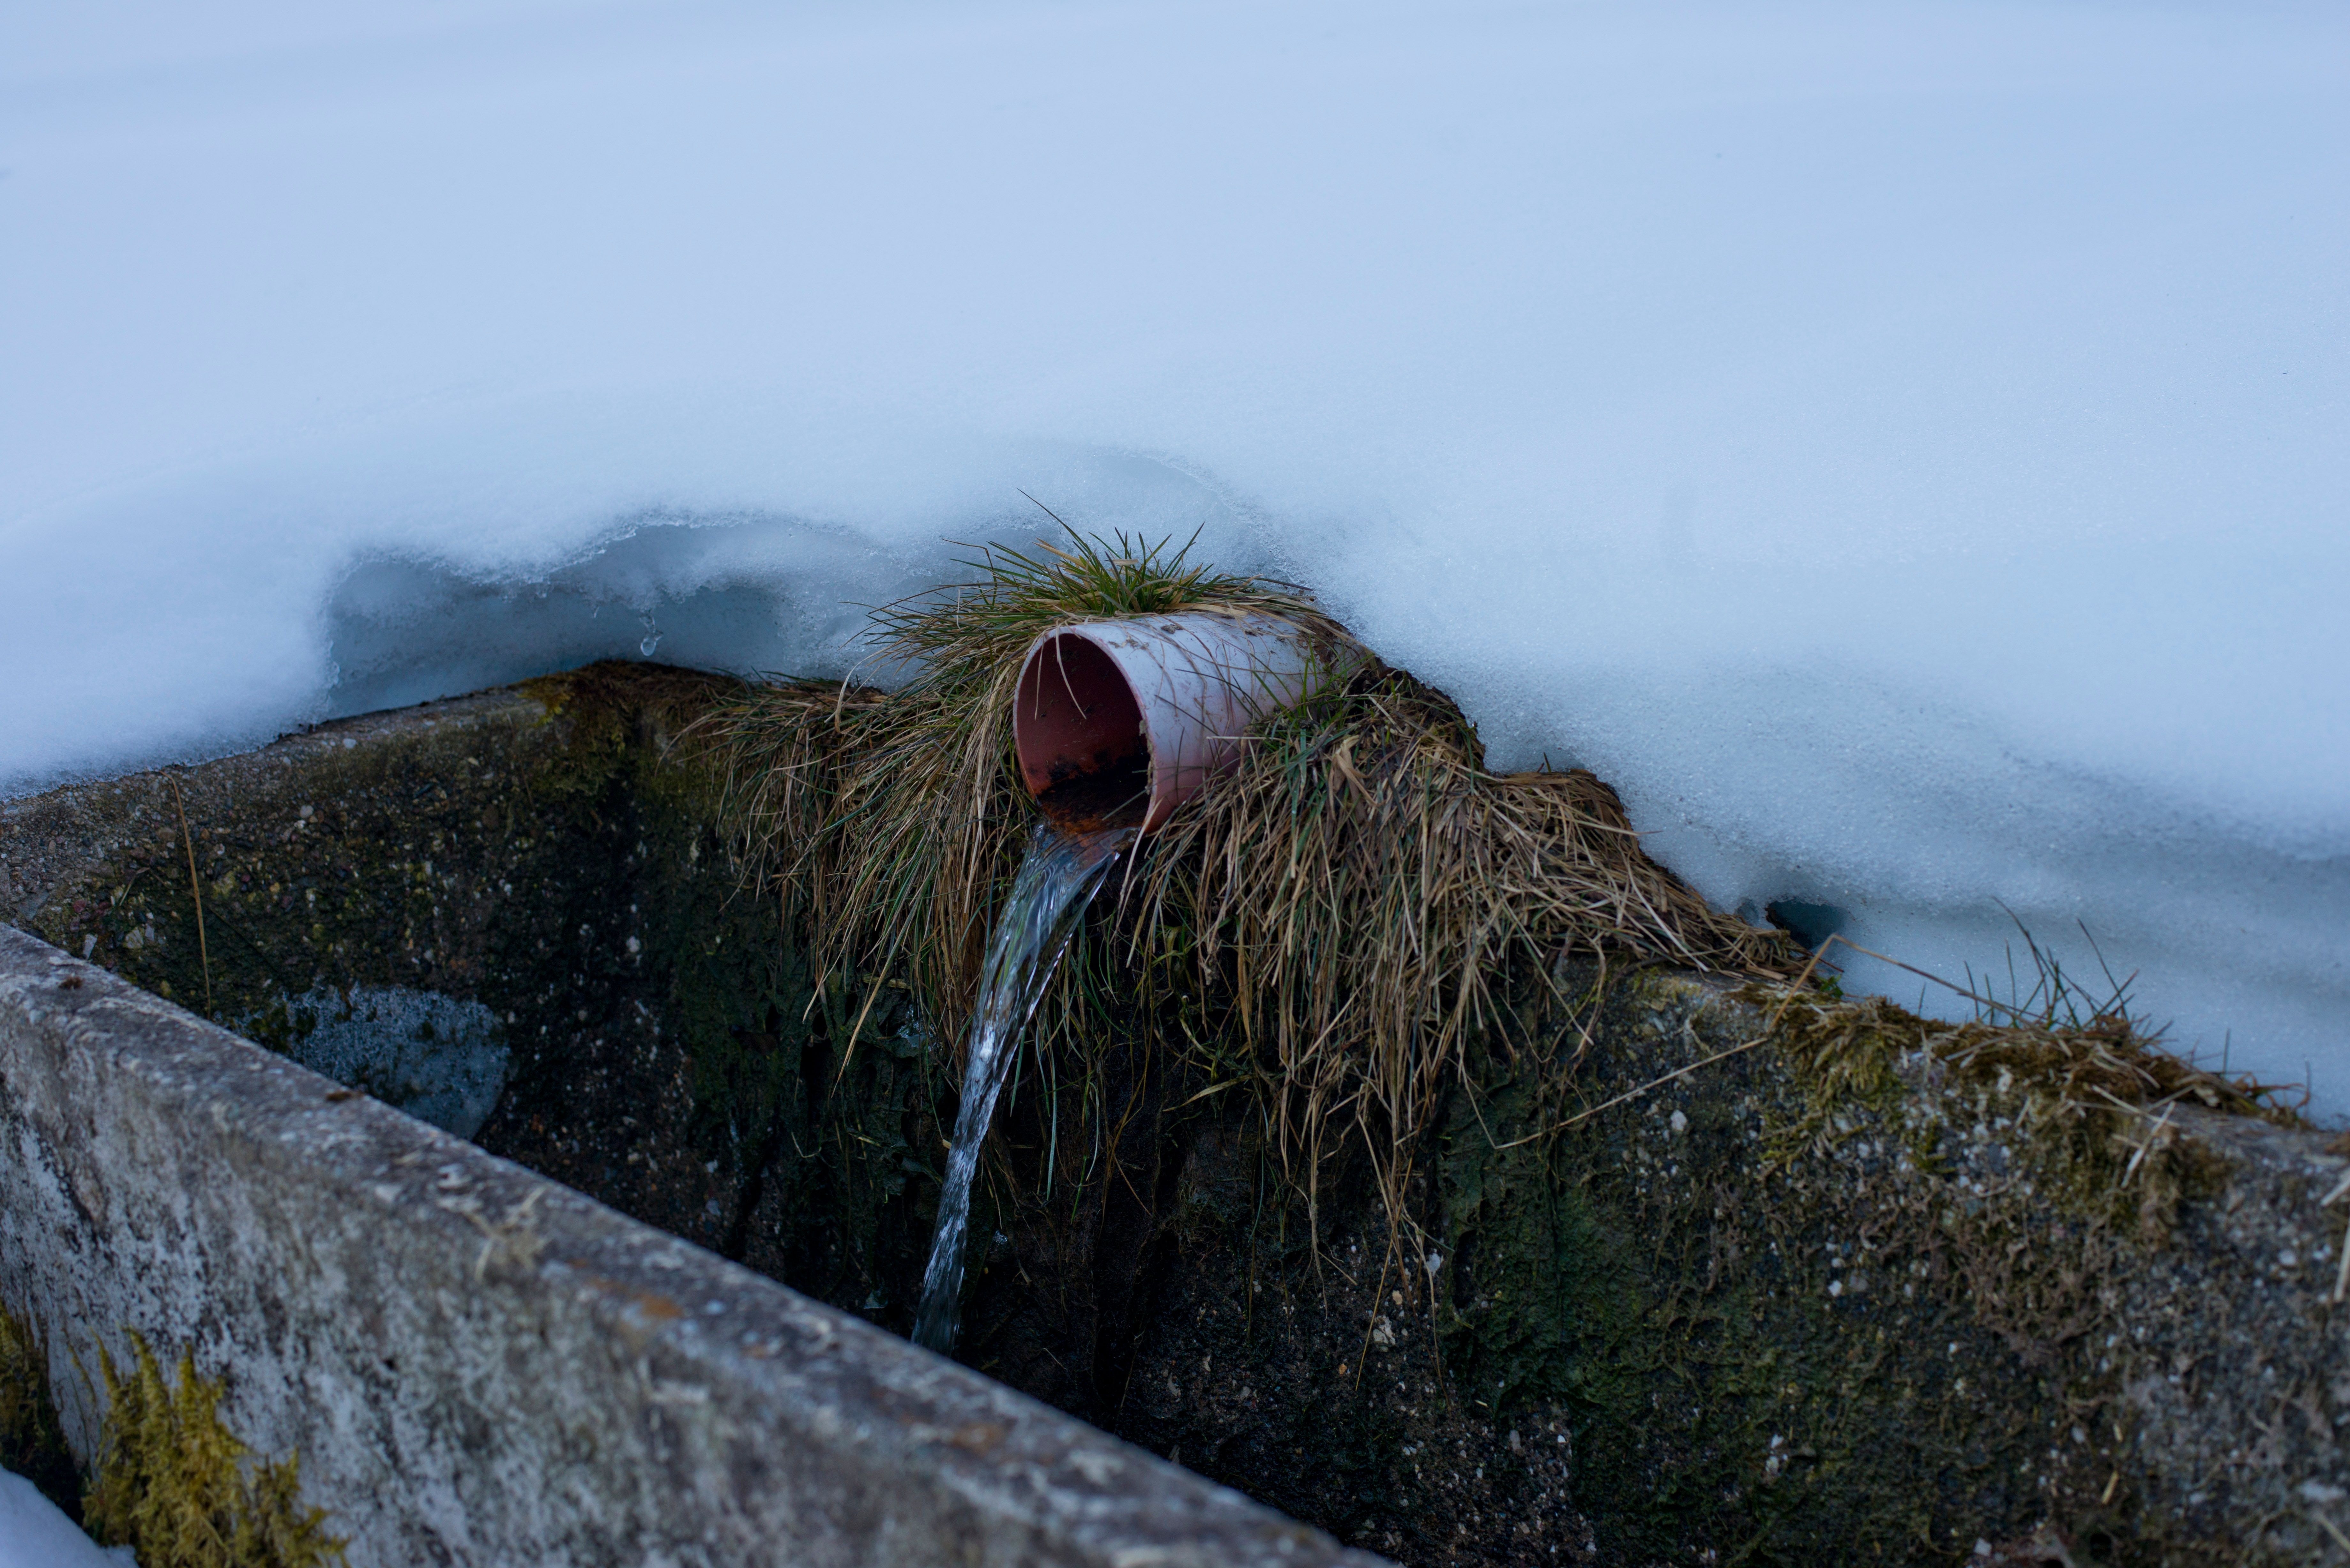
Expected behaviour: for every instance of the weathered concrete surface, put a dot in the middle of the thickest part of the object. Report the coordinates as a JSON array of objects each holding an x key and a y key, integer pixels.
[
  {"x": 1710, "y": 1319},
  {"x": 479, "y": 1365},
  {"x": 523, "y": 852},
  {"x": 1744, "y": 1315}
]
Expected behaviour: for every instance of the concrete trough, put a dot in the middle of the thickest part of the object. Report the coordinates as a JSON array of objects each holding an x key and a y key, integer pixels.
[
  {"x": 1703, "y": 1322},
  {"x": 479, "y": 1365}
]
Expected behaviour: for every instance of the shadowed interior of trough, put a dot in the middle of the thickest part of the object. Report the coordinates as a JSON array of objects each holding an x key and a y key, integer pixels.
[{"x": 1674, "y": 1335}]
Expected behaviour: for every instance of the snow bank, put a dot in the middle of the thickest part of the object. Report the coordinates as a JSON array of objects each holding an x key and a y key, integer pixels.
[
  {"x": 1903, "y": 446},
  {"x": 35, "y": 1533}
]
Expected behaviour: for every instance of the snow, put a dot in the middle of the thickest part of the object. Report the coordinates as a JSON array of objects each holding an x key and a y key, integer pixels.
[
  {"x": 34, "y": 1533},
  {"x": 1902, "y": 445}
]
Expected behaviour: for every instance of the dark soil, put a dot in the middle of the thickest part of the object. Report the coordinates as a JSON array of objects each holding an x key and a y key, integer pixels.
[{"x": 1116, "y": 795}]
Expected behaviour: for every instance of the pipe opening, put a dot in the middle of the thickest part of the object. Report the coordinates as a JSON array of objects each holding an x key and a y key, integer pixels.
[{"x": 1078, "y": 731}]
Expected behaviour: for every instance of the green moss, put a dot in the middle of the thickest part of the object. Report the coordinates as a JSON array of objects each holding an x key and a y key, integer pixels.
[
  {"x": 172, "y": 1485},
  {"x": 1853, "y": 1299}
]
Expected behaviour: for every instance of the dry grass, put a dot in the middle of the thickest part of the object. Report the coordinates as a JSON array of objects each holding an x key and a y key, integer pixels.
[
  {"x": 2095, "y": 1090},
  {"x": 1359, "y": 882},
  {"x": 891, "y": 820},
  {"x": 2080, "y": 1046},
  {"x": 1342, "y": 897},
  {"x": 1848, "y": 1045}
]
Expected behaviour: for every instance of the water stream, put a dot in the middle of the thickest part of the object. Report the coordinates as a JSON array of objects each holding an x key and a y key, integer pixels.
[{"x": 1056, "y": 881}]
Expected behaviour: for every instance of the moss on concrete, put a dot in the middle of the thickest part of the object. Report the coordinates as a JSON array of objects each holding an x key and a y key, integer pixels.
[
  {"x": 1761, "y": 1313},
  {"x": 170, "y": 1479},
  {"x": 173, "y": 1485},
  {"x": 1761, "y": 1351}
]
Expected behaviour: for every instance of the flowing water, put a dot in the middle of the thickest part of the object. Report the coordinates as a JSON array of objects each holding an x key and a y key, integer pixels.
[{"x": 1056, "y": 881}]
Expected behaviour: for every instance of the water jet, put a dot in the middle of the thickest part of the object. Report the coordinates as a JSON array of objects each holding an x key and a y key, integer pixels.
[{"x": 1117, "y": 723}]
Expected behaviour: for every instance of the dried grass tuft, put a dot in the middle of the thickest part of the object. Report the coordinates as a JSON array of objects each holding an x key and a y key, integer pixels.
[
  {"x": 1847, "y": 1047},
  {"x": 891, "y": 821},
  {"x": 1342, "y": 898},
  {"x": 1357, "y": 884},
  {"x": 2099, "y": 1088},
  {"x": 2081, "y": 1047}
]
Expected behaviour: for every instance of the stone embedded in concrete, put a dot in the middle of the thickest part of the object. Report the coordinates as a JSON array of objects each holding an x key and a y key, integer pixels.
[
  {"x": 438, "y": 1058},
  {"x": 479, "y": 1365}
]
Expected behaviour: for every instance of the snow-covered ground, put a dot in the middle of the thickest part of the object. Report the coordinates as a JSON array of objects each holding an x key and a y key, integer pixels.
[
  {"x": 34, "y": 1533},
  {"x": 1902, "y": 445}
]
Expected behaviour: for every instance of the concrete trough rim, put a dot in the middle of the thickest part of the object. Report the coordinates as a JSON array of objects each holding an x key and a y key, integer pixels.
[{"x": 769, "y": 1372}]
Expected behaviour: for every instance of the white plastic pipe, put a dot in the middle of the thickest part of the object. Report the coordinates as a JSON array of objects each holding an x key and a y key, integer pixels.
[{"x": 1123, "y": 721}]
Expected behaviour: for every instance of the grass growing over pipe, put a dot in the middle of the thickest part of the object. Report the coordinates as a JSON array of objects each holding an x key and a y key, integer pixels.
[
  {"x": 1359, "y": 883},
  {"x": 1339, "y": 901},
  {"x": 891, "y": 822}
]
